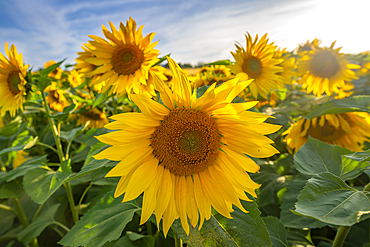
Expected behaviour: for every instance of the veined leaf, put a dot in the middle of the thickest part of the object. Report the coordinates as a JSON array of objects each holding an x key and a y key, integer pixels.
[
  {"x": 104, "y": 222},
  {"x": 40, "y": 183},
  {"x": 334, "y": 201},
  {"x": 316, "y": 157},
  {"x": 349, "y": 104},
  {"x": 276, "y": 231},
  {"x": 45, "y": 219},
  {"x": 245, "y": 229},
  {"x": 290, "y": 219}
]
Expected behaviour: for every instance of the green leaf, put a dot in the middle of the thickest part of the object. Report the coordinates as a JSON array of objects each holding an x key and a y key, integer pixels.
[
  {"x": 271, "y": 184},
  {"x": 11, "y": 128},
  {"x": 104, "y": 222},
  {"x": 360, "y": 156},
  {"x": 102, "y": 97},
  {"x": 95, "y": 149},
  {"x": 352, "y": 168},
  {"x": 246, "y": 229},
  {"x": 62, "y": 116},
  {"x": 276, "y": 231},
  {"x": 92, "y": 166},
  {"x": 40, "y": 183},
  {"x": 24, "y": 143},
  {"x": 72, "y": 134},
  {"x": 33, "y": 230},
  {"x": 211, "y": 234},
  {"x": 6, "y": 218},
  {"x": 316, "y": 157},
  {"x": 334, "y": 201},
  {"x": 43, "y": 82},
  {"x": 132, "y": 239},
  {"x": 51, "y": 68},
  {"x": 349, "y": 104},
  {"x": 33, "y": 163},
  {"x": 290, "y": 198},
  {"x": 12, "y": 189},
  {"x": 162, "y": 59}
]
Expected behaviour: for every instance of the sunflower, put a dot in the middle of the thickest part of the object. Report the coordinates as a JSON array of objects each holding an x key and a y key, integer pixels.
[
  {"x": 75, "y": 78},
  {"x": 57, "y": 73},
  {"x": 55, "y": 98},
  {"x": 257, "y": 62},
  {"x": 96, "y": 117},
  {"x": 308, "y": 46},
  {"x": 289, "y": 65},
  {"x": 192, "y": 151},
  {"x": 349, "y": 130},
  {"x": 209, "y": 75},
  {"x": 12, "y": 82},
  {"x": 325, "y": 70},
  {"x": 81, "y": 65},
  {"x": 124, "y": 60}
]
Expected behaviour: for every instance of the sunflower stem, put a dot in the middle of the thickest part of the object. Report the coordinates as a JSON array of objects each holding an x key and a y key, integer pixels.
[
  {"x": 82, "y": 197},
  {"x": 53, "y": 129},
  {"x": 71, "y": 201},
  {"x": 341, "y": 236},
  {"x": 23, "y": 219},
  {"x": 149, "y": 228},
  {"x": 178, "y": 242}
]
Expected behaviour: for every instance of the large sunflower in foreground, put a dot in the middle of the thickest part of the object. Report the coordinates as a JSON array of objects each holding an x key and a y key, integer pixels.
[
  {"x": 191, "y": 151},
  {"x": 257, "y": 62},
  {"x": 349, "y": 130},
  {"x": 125, "y": 59},
  {"x": 12, "y": 82},
  {"x": 325, "y": 70}
]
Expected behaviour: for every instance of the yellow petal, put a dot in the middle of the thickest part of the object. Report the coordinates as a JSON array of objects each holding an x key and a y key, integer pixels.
[
  {"x": 181, "y": 195},
  {"x": 132, "y": 161},
  {"x": 149, "y": 198},
  {"x": 137, "y": 184}
]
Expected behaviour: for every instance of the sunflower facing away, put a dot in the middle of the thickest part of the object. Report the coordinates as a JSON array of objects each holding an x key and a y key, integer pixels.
[
  {"x": 325, "y": 70},
  {"x": 349, "y": 130},
  {"x": 191, "y": 151},
  {"x": 125, "y": 59},
  {"x": 96, "y": 117},
  {"x": 12, "y": 82},
  {"x": 256, "y": 62}
]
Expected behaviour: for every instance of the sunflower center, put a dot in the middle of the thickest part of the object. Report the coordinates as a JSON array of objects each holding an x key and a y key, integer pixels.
[
  {"x": 13, "y": 82},
  {"x": 127, "y": 58},
  {"x": 327, "y": 133},
  {"x": 324, "y": 64},
  {"x": 253, "y": 67},
  {"x": 186, "y": 142},
  {"x": 92, "y": 114}
]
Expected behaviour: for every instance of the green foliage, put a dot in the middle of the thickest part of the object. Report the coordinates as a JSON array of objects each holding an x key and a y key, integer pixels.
[
  {"x": 316, "y": 156},
  {"x": 41, "y": 183},
  {"x": 350, "y": 104},
  {"x": 277, "y": 231},
  {"x": 104, "y": 222},
  {"x": 45, "y": 219},
  {"x": 335, "y": 202}
]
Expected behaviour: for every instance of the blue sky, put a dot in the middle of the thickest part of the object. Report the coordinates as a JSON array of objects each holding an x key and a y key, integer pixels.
[{"x": 192, "y": 31}]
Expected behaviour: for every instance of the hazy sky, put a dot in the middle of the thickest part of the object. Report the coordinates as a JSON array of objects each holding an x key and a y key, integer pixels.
[{"x": 192, "y": 31}]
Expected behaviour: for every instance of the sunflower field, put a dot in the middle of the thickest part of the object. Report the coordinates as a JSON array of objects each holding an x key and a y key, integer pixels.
[{"x": 126, "y": 148}]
